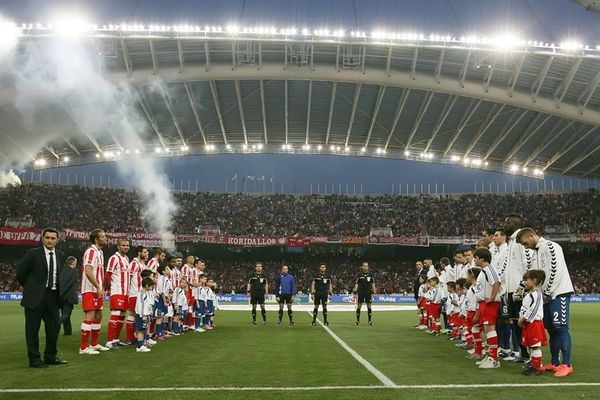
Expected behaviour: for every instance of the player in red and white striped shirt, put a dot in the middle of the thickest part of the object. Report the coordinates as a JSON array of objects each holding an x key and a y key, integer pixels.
[
  {"x": 135, "y": 285},
  {"x": 92, "y": 289},
  {"x": 189, "y": 272},
  {"x": 116, "y": 281},
  {"x": 156, "y": 261}
]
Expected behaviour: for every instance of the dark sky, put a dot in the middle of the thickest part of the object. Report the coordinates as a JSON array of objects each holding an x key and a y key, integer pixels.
[{"x": 548, "y": 20}]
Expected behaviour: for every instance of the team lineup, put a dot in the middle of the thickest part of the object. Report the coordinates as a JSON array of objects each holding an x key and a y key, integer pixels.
[{"x": 496, "y": 301}]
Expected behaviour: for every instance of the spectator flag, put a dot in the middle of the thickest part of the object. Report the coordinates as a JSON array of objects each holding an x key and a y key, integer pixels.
[{"x": 234, "y": 178}]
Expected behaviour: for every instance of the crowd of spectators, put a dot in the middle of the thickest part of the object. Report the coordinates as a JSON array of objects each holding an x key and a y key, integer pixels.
[
  {"x": 119, "y": 210},
  {"x": 391, "y": 277}
]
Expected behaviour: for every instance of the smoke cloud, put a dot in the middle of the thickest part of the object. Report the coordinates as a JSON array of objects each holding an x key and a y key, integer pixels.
[
  {"x": 60, "y": 92},
  {"x": 9, "y": 179}
]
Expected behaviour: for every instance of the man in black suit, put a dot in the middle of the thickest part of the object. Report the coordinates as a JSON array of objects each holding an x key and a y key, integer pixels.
[
  {"x": 68, "y": 293},
  {"x": 39, "y": 274},
  {"x": 421, "y": 270}
]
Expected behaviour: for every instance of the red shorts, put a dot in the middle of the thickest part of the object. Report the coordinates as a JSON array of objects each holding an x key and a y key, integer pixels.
[
  {"x": 435, "y": 310},
  {"x": 488, "y": 312},
  {"x": 91, "y": 302},
  {"x": 469, "y": 319},
  {"x": 453, "y": 319},
  {"x": 190, "y": 297},
  {"x": 428, "y": 308},
  {"x": 534, "y": 333},
  {"x": 421, "y": 304},
  {"x": 131, "y": 301},
  {"x": 118, "y": 302},
  {"x": 461, "y": 321}
]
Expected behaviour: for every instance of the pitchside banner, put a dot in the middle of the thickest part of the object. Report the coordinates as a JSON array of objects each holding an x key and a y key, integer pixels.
[
  {"x": 336, "y": 299},
  {"x": 20, "y": 236},
  {"x": 415, "y": 241}
]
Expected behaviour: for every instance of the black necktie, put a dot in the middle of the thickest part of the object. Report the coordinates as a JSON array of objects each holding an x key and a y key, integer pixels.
[{"x": 51, "y": 271}]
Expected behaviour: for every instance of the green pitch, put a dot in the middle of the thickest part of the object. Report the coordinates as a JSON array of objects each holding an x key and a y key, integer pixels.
[{"x": 239, "y": 355}]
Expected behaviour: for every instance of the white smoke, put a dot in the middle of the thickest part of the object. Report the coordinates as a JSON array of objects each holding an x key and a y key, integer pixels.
[
  {"x": 9, "y": 179},
  {"x": 60, "y": 92}
]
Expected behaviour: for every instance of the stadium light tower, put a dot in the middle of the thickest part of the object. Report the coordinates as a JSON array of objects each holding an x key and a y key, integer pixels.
[{"x": 71, "y": 24}]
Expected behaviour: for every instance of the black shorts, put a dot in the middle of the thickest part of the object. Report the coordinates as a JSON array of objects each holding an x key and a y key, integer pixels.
[
  {"x": 257, "y": 299},
  {"x": 284, "y": 298},
  {"x": 504, "y": 310},
  {"x": 364, "y": 297},
  {"x": 320, "y": 298},
  {"x": 513, "y": 306}
]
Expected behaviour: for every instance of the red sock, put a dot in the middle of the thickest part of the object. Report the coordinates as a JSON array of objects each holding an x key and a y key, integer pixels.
[
  {"x": 438, "y": 326},
  {"x": 469, "y": 339},
  {"x": 492, "y": 339},
  {"x": 112, "y": 326},
  {"x": 536, "y": 358},
  {"x": 95, "y": 332},
  {"x": 119, "y": 327},
  {"x": 129, "y": 333},
  {"x": 190, "y": 320},
  {"x": 86, "y": 328},
  {"x": 477, "y": 341},
  {"x": 152, "y": 325},
  {"x": 455, "y": 332}
]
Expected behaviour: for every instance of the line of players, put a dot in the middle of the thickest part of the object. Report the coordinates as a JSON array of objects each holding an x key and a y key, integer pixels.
[
  {"x": 506, "y": 291},
  {"x": 154, "y": 300},
  {"x": 321, "y": 289}
]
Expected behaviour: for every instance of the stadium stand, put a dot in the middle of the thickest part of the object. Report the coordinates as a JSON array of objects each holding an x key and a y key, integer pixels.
[{"x": 287, "y": 215}]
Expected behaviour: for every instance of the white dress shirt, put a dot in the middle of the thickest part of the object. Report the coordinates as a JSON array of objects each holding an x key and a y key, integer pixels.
[{"x": 54, "y": 274}]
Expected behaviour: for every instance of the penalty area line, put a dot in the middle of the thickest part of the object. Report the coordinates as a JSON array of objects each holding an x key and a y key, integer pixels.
[
  {"x": 298, "y": 388},
  {"x": 387, "y": 382}
]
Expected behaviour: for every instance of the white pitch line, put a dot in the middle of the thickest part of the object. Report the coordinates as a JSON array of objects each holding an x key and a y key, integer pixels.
[
  {"x": 387, "y": 382},
  {"x": 299, "y": 388}
]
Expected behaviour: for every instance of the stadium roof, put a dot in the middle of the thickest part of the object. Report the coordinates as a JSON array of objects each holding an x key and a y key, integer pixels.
[{"x": 496, "y": 103}]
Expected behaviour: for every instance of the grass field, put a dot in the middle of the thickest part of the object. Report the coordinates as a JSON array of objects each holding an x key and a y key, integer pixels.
[{"x": 241, "y": 361}]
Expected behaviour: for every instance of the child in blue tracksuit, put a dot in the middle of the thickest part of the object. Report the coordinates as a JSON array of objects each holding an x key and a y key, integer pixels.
[{"x": 285, "y": 290}]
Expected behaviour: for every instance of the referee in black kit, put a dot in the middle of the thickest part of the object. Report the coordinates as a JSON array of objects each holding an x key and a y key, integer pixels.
[
  {"x": 321, "y": 288},
  {"x": 364, "y": 289},
  {"x": 257, "y": 288}
]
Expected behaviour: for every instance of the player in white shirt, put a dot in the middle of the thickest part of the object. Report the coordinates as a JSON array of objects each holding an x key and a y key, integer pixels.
[
  {"x": 156, "y": 261},
  {"x": 460, "y": 270},
  {"x": 519, "y": 261},
  {"x": 468, "y": 258},
  {"x": 421, "y": 302},
  {"x": 435, "y": 296},
  {"x": 489, "y": 304},
  {"x": 472, "y": 319},
  {"x": 144, "y": 308},
  {"x": 200, "y": 297},
  {"x": 428, "y": 265},
  {"x": 136, "y": 266},
  {"x": 180, "y": 304},
  {"x": 211, "y": 299},
  {"x": 557, "y": 290},
  {"x": 92, "y": 290},
  {"x": 163, "y": 286},
  {"x": 531, "y": 320},
  {"x": 504, "y": 327},
  {"x": 487, "y": 237},
  {"x": 116, "y": 281}
]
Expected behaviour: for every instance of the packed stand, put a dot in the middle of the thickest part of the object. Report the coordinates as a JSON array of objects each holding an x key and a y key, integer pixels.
[{"x": 84, "y": 208}]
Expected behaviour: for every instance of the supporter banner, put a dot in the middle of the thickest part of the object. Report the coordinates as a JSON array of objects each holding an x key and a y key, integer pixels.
[
  {"x": 418, "y": 241},
  {"x": 253, "y": 241},
  {"x": 380, "y": 299},
  {"x": 318, "y": 239},
  {"x": 302, "y": 242},
  {"x": 445, "y": 240},
  {"x": 590, "y": 238},
  {"x": 20, "y": 236},
  {"x": 353, "y": 240}
]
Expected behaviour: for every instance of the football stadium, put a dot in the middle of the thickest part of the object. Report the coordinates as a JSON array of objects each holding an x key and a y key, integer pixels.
[{"x": 300, "y": 199}]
